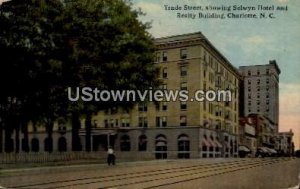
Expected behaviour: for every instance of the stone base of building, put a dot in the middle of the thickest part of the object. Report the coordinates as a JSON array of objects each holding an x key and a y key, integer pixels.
[{"x": 145, "y": 143}]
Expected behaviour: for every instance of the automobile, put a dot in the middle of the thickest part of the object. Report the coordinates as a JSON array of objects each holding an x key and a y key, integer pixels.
[
  {"x": 261, "y": 152},
  {"x": 265, "y": 152},
  {"x": 244, "y": 151}
]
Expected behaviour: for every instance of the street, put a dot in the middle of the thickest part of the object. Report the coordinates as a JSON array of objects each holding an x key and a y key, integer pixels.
[{"x": 222, "y": 173}]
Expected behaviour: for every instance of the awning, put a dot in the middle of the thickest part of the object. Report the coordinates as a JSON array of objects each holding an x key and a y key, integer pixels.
[
  {"x": 183, "y": 138},
  {"x": 218, "y": 144},
  {"x": 244, "y": 148},
  {"x": 212, "y": 143},
  {"x": 264, "y": 149},
  {"x": 270, "y": 150},
  {"x": 205, "y": 142},
  {"x": 273, "y": 151},
  {"x": 161, "y": 144}
]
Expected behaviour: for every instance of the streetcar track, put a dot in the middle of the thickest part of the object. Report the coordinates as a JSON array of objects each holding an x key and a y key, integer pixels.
[
  {"x": 242, "y": 164},
  {"x": 247, "y": 166},
  {"x": 116, "y": 175}
]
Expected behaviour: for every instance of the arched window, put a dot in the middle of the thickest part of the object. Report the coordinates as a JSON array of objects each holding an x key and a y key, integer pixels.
[
  {"x": 143, "y": 143},
  {"x": 35, "y": 145},
  {"x": 125, "y": 143},
  {"x": 183, "y": 144},
  {"x": 62, "y": 144},
  {"x": 161, "y": 147}
]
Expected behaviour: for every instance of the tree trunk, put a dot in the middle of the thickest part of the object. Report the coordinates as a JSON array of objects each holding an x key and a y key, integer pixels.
[
  {"x": 49, "y": 140},
  {"x": 1, "y": 137},
  {"x": 76, "y": 144},
  {"x": 17, "y": 135},
  {"x": 25, "y": 141},
  {"x": 8, "y": 142},
  {"x": 88, "y": 126}
]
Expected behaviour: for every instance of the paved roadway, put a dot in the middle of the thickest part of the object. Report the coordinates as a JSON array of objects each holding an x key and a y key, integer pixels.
[{"x": 264, "y": 173}]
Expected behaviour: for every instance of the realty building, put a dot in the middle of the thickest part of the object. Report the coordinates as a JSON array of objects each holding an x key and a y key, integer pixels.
[{"x": 261, "y": 91}]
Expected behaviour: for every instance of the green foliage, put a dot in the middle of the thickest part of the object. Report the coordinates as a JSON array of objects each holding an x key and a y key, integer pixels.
[{"x": 47, "y": 46}]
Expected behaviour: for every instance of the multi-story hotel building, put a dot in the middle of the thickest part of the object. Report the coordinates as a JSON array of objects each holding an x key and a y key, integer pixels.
[
  {"x": 178, "y": 129},
  {"x": 261, "y": 92},
  {"x": 174, "y": 129}
]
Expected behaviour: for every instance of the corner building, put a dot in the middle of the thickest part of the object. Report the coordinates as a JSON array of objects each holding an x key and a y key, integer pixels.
[{"x": 177, "y": 129}]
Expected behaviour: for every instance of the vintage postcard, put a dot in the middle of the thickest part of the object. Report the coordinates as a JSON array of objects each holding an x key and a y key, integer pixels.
[{"x": 187, "y": 94}]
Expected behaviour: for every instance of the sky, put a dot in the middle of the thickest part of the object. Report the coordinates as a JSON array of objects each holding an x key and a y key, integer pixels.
[{"x": 244, "y": 42}]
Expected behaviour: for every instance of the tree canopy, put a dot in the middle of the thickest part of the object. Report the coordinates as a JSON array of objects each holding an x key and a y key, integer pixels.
[{"x": 47, "y": 46}]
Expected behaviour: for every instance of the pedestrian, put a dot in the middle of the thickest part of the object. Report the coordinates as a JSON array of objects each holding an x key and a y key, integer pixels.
[{"x": 110, "y": 156}]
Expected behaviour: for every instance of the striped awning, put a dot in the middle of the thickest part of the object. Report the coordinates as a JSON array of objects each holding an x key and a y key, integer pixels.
[
  {"x": 218, "y": 144},
  {"x": 205, "y": 142},
  {"x": 244, "y": 148}
]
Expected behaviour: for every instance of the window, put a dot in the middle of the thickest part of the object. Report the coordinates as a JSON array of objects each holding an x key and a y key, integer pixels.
[
  {"x": 249, "y": 89},
  {"x": 158, "y": 56},
  {"x": 183, "y": 71},
  {"x": 227, "y": 115},
  {"x": 125, "y": 143},
  {"x": 249, "y": 96},
  {"x": 267, "y": 71},
  {"x": 258, "y": 72},
  {"x": 95, "y": 123},
  {"x": 183, "y": 86},
  {"x": 164, "y": 106},
  {"x": 267, "y": 95},
  {"x": 165, "y": 73},
  {"x": 258, "y": 88},
  {"x": 249, "y": 81},
  {"x": 125, "y": 122},
  {"x": 258, "y": 102},
  {"x": 161, "y": 147},
  {"x": 165, "y": 56},
  {"x": 267, "y": 80},
  {"x": 183, "y": 105},
  {"x": 258, "y": 81},
  {"x": 157, "y": 106},
  {"x": 183, "y": 146},
  {"x": 142, "y": 107},
  {"x": 267, "y": 101},
  {"x": 106, "y": 123},
  {"x": 161, "y": 121},
  {"x": 249, "y": 103},
  {"x": 183, "y": 121},
  {"x": 249, "y": 72},
  {"x": 143, "y": 122},
  {"x": 112, "y": 123},
  {"x": 163, "y": 87},
  {"x": 143, "y": 143},
  {"x": 258, "y": 95},
  {"x": 183, "y": 53}
]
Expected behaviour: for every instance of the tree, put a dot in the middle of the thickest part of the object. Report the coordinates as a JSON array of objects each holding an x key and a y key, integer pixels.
[
  {"x": 30, "y": 73},
  {"x": 51, "y": 45},
  {"x": 111, "y": 50}
]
